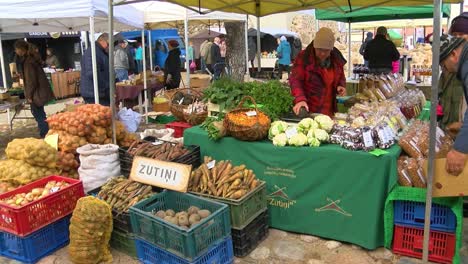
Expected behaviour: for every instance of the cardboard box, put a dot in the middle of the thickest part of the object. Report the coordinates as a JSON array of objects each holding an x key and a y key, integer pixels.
[{"x": 445, "y": 184}]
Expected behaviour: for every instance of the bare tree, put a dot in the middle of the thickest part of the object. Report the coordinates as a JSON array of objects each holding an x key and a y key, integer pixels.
[{"x": 235, "y": 52}]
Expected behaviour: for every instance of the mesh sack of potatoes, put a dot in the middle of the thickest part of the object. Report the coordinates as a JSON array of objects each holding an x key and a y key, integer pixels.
[
  {"x": 90, "y": 232},
  {"x": 33, "y": 151}
]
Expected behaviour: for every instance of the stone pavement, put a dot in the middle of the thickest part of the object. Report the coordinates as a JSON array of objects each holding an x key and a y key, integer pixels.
[{"x": 278, "y": 248}]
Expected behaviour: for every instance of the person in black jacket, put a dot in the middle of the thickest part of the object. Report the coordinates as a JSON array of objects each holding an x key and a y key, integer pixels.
[
  {"x": 218, "y": 63},
  {"x": 102, "y": 61},
  {"x": 381, "y": 52},
  {"x": 172, "y": 66},
  {"x": 362, "y": 49}
]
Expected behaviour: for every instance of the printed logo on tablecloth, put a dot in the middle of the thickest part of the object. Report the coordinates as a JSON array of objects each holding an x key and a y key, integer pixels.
[
  {"x": 279, "y": 198},
  {"x": 333, "y": 206}
]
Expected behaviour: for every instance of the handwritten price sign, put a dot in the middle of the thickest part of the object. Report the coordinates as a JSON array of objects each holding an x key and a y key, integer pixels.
[{"x": 164, "y": 174}]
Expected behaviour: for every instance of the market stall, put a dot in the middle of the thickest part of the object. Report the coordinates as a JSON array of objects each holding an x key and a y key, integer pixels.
[
  {"x": 65, "y": 84},
  {"x": 312, "y": 195}
]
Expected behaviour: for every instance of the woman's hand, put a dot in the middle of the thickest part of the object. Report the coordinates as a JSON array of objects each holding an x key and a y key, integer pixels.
[
  {"x": 298, "y": 106},
  {"x": 341, "y": 90}
]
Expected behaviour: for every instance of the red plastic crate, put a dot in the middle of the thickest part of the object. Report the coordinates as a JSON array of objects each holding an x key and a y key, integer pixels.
[
  {"x": 179, "y": 128},
  {"x": 24, "y": 220},
  {"x": 408, "y": 241}
]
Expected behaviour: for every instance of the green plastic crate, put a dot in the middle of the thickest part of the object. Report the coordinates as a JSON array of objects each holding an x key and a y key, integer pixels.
[
  {"x": 123, "y": 242},
  {"x": 188, "y": 244},
  {"x": 246, "y": 209}
]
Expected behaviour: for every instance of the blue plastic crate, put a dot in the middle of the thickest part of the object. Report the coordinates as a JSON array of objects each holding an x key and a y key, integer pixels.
[
  {"x": 412, "y": 214},
  {"x": 220, "y": 253},
  {"x": 37, "y": 245}
]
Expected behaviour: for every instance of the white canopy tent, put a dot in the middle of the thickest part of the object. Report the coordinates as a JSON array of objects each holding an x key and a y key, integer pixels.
[
  {"x": 56, "y": 16},
  {"x": 168, "y": 15}
]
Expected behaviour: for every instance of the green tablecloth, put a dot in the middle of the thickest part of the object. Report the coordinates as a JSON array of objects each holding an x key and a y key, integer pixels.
[{"x": 328, "y": 191}]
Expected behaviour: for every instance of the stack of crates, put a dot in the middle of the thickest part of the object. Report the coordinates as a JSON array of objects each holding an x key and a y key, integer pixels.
[
  {"x": 37, "y": 229},
  {"x": 409, "y": 231},
  {"x": 158, "y": 241},
  {"x": 249, "y": 219}
]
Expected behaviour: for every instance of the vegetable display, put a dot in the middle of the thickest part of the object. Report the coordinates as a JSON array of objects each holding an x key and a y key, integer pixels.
[
  {"x": 222, "y": 179},
  {"x": 308, "y": 131},
  {"x": 121, "y": 193},
  {"x": 90, "y": 232},
  {"x": 214, "y": 127},
  {"x": 166, "y": 151},
  {"x": 90, "y": 123},
  {"x": 184, "y": 219},
  {"x": 22, "y": 199},
  {"x": 273, "y": 95},
  {"x": 35, "y": 152}
]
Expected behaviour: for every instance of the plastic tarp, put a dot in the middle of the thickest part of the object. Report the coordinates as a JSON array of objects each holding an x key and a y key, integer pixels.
[
  {"x": 261, "y": 8},
  {"x": 60, "y": 16},
  {"x": 379, "y": 13}
]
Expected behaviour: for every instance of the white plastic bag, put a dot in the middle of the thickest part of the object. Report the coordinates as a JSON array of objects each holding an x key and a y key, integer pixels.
[
  {"x": 130, "y": 119},
  {"x": 98, "y": 164}
]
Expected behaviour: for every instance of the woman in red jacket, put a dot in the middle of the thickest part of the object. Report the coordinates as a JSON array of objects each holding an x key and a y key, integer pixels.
[{"x": 318, "y": 76}]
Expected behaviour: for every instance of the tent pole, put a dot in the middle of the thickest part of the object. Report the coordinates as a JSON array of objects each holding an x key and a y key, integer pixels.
[
  {"x": 150, "y": 41},
  {"x": 110, "y": 21},
  {"x": 86, "y": 39},
  {"x": 93, "y": 59},
  {"x": 246, "y": 26},
  {"x": 5, "y": 83},
  {"x": 187, "y": 63},
  {"x": 433, "y": 124},
  {"x": 145, "y": 81},
  {"x": 349, "y": 48},
  {"x": 259, "y": 45}
]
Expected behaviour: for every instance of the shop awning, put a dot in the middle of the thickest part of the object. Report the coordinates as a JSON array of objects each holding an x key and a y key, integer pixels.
[{"x": 379, "y": 13}]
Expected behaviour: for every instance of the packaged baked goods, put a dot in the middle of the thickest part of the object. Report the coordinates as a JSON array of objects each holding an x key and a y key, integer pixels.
[
  {"x": 416, "y": 173},
  {"x": 403, "y": 176},
  {"x": 367, "y": 139}
]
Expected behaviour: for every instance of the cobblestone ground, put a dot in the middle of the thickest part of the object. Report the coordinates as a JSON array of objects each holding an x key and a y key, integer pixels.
[{"x": 278, "y": 248}]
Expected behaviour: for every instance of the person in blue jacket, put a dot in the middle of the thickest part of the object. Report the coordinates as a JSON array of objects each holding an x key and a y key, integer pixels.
[
  {"x": 454, "y": 59},
  {"x": 284, "y": 56},
  {"x": 102, "y": 62}
]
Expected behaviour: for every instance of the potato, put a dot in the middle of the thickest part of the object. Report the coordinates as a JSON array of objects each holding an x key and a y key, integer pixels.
[
  {"x": 174, "y": 221},
  {"x": 194, "y": 218},
  {"x": 193, "y": 210},
  {"x": 170, "y": 212},
  {"x": 181, "y": 213},
  {"x": 183, "y": 220},
  {"x": 167, "y": 218},
  {"x": 161, "y": 214},
  {"x": 204, "y": 213},
  {"x": 184, "y": 227}
]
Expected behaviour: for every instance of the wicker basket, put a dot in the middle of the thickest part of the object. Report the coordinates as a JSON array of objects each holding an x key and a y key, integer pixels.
[
  {"x": 162, "y": 107},
  {"x": 177, "y": 110},
  {"x": 255, "y": 132}
]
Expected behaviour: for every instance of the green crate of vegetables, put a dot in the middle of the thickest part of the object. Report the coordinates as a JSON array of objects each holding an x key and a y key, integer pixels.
[
  {"x": 245, "y": 209},
  {"x": 183, "y": 224}
]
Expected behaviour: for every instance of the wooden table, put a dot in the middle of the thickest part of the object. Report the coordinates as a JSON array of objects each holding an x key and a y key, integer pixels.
[
  {"x": 17, "y": 107},
  {"x": 65, "y": 84}
]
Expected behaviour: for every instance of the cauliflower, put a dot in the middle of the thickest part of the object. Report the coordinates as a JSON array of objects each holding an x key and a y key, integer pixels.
[
  {"x": 313, "y": 142},
  {"x": 325, "y": 122},
  {"x": 277, "y": 128},
  {"x": 280, "y": 140},
  {"x": 306, "y": 124},
  {"x": 298, "y": 140},
  {"x": 321, "y": 135}
]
